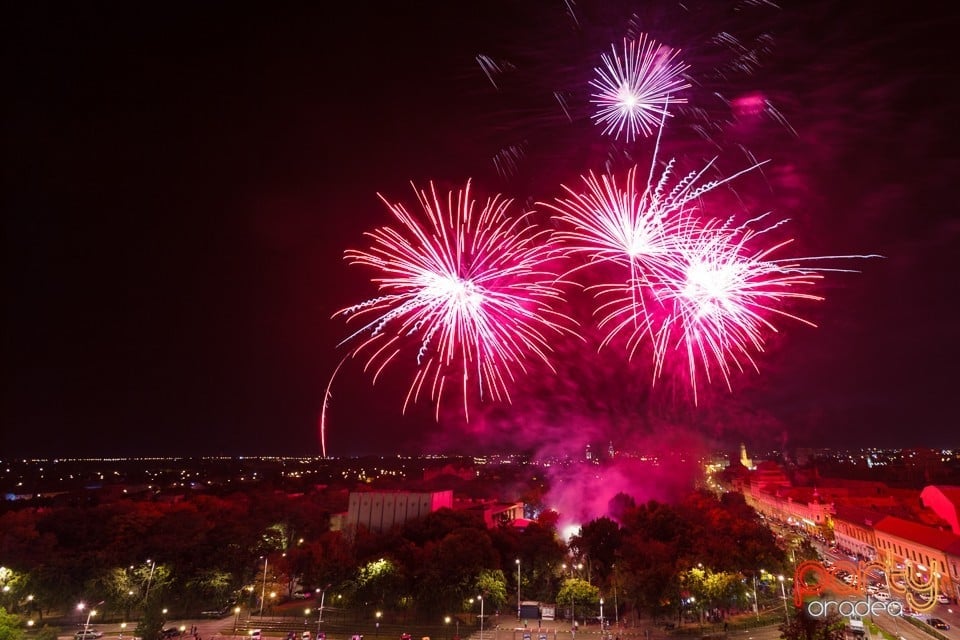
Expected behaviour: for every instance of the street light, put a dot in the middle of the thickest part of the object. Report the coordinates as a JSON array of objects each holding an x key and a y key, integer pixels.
[
  {"x": 481, "y": 616},
  {"x": 263, "y": 589},
  {"x": 518, "y": 589},
  {"x": 153, "y": 565},
  {"x": 378, "y": 614},
  {"x": 236, "y": 620},
  {"x": 93, "y": 612},
  {"x": 783, "y": 592},
  {"x": 601, "y": 615},
  {"x": 616, "y": 605},
  {"x": 756, "y": 600},
  {"x": 446, "y": 621},
  {"x": 573, "y": 612},
  {"x": 323, "y": 593}
]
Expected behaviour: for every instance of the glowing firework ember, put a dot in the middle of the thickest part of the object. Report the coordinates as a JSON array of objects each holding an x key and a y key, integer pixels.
[
  {"x": 633, "y": 91},
  {"x": 470, "y": 287}
]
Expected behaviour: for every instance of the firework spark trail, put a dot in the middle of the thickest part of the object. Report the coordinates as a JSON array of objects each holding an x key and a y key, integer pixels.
[
  {"x": 633, "y": 91},
  {"x": 474, "y": 290}
]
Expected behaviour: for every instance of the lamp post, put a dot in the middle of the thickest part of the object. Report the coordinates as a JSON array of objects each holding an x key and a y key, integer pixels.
[
  {"x": 518, "y": 589},
  {"x": 481, "y": 616},
  {"x": 573, "y": 612},
  {"x": 601, "y": 616},
  {"x": 146, "y": 593},
  {"x": 93, "y": 612},
  {"x": 236, "y": 620},
  {"x": 783, "y": 592},
  {"x": 323, "y": 593},
  {"x": 378, "y": 614},
  {"x": 263, "y": 590},
  {"x": 616, "y": 606},
  {"x": 756, "y": 600}
]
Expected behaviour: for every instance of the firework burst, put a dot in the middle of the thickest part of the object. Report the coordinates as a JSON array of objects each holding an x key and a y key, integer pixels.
[
  {"x": 627, "y": 59},
  {"x": 683, "y": 281},
  {"x": 725, "y": 292},
  {"x": 639, "y": 227},
  {"x": 632, "y": 92},
  {"x": 469, "y": 290}
]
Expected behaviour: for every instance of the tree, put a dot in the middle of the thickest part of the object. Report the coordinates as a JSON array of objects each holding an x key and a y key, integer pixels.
[
  {"x": 46, "y": 632},
  {"x": 9, "y": 626},
  {"x": 619, "y": 505},
  {"x": 152, "y": 621},
  {"x": 599, "y": 540},
  {"x": 806, "y": 627},
  {"x": 492, "y": 585},
  {"x": 579, "y": 595},
  {"x": 445, "y": 573}
]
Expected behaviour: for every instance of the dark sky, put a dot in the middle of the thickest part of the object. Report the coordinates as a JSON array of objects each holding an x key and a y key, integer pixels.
[{"x": 180, "y": 181}]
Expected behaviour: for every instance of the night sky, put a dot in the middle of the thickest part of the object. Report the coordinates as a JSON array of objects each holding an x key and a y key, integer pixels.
[{"x": 180, "y": 181}]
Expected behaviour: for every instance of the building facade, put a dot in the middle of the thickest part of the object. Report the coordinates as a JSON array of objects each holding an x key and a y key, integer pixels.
[{"x": 380, "y": 511}]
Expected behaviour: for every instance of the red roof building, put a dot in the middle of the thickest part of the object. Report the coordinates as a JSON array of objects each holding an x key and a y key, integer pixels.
[{"x": 932, "y": 553}]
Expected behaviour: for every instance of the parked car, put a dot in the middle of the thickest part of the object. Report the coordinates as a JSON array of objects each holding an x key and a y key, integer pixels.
[
  {"x": 256, "y": 634},
  {"x": 943, "y": 599},
  {"x": 302, "y": 594},
  {"x": 882, "y": 596},
  {"x": 215, "y": 613},
  {"x": 170, "y": 632},
  {"x": 88, "y": 634},
  {"x": 937, "y": 623}
]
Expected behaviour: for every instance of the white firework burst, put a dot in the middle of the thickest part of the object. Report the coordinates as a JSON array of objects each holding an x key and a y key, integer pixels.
[{"x": 633, "y": 91}]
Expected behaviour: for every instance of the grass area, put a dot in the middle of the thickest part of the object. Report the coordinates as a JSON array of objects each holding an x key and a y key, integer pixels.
[
  {"x": 875, "y": 630},
  {"x": 923, "y": 626},
  {"x": 739, "y": 622}
]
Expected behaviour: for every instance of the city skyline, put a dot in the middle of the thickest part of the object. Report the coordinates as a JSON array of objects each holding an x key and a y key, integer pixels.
[{"x": 183, "y": 183}]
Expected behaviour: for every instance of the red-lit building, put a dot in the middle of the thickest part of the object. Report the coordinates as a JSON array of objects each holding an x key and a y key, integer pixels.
[{"x": 933, "y": 552}]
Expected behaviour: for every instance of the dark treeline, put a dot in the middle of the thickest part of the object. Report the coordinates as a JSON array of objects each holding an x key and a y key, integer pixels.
[{"x": 204, "y": 552}]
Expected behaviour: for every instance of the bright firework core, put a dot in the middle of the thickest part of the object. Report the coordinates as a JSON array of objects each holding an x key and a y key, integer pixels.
[
  {"x": 633, "y": 91},
  {"x": 707, "y": 287},
  {"x": 463, "y": 294}
]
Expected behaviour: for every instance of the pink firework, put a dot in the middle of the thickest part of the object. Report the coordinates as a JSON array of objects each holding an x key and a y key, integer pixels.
[
  {"x": 682, "y": 282},
  {"x": 633, "y": 91},
  {"x": 725, "y": 292},
  {"x": 623, "y": 225},
  {"x": 636, "y": 227},
  {"x": 468, "y": 289}
]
